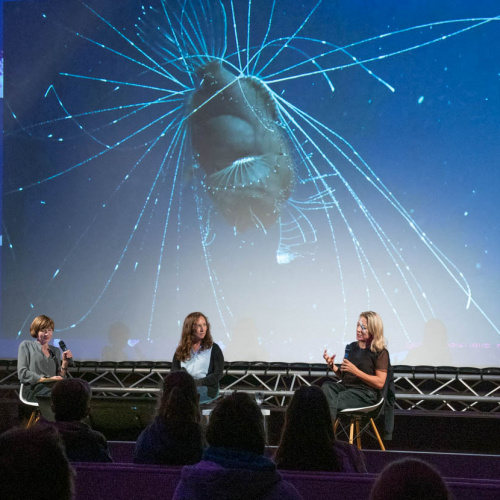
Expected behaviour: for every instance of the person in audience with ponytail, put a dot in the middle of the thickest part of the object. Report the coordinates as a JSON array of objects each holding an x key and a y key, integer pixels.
[
  {"x": 308, "y": 442},
  {"x": 175, "y": 436}
]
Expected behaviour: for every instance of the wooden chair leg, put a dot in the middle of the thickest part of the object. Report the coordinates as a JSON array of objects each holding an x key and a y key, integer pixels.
[
  {"x": 335, "y": 427},
  {"x": 358, "y": 435},
  {"x": 33, "y": 418},
  {"x": 351, "y": 432},
  {"x": 382, "y": 447}
]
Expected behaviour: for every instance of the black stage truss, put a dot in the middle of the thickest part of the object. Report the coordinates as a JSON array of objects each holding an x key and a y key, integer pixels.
[{"x": 418, "y": 388}]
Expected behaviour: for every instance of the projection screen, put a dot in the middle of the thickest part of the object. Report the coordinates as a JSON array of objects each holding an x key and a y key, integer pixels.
[{"x": 280, "y": 166}]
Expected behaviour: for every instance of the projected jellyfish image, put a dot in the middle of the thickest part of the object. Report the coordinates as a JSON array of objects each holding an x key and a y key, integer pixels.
[
  {"x": 277, "y": 164},
  {"x": 240, "y": 147}
]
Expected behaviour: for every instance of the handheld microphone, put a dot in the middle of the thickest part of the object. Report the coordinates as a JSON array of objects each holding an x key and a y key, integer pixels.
[
  {"x": 347, "y": 351},
  {"x": 64, "y": 348}
]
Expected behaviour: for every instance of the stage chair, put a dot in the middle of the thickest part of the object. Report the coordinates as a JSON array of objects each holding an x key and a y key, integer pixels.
[
  {"x": 35, "y": 413},
  {"x": 360, "y": 420}
]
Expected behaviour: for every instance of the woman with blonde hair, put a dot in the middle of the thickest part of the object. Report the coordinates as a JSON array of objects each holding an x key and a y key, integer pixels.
[
  {"x": 200, "y": 356},
  {"x": 363, "y": 371}
]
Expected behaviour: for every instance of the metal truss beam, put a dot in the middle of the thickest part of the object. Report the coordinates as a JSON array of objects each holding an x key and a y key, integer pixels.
[{"x": 417, "y": 388}]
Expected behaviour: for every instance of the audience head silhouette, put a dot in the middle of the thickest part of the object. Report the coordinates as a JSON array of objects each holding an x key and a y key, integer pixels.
[
  {"x": 234, "y": 465},
  {"x": 180, "y": 399},
  {"x": 410, "y": 479},
  {"x": 307, "y": 440},
  {"x": 33, "y": 465},
  {"x": 175, "y": 437},
  {"x": 237, "y": 423},
  {"x": 70, "y": 399}
]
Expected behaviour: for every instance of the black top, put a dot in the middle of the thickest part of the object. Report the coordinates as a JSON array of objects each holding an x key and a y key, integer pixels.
[
  {"x": 214, "y": 374},
  {"x": 367, "y": 361}
]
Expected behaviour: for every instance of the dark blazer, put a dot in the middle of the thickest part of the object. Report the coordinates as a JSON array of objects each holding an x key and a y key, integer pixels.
[{"x": 389, "y": 393}]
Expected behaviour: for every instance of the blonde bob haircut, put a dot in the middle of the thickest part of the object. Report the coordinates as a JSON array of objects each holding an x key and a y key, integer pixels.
[{"x": 375, "y": 328}]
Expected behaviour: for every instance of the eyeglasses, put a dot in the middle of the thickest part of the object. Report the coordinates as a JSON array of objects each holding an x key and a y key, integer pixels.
[{"x": 364, "y": 329}]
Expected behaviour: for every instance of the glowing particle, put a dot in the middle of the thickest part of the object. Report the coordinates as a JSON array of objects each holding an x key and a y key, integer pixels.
[{"x": 284, "y": 258}]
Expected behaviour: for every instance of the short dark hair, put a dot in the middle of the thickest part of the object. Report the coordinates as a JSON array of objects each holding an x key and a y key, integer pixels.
[
  {"x": 71, "y": 399},
  {"x": 237, "y": 423},
  {"x": 33, "y": 465},
  {"x": 410, "y": 478}
]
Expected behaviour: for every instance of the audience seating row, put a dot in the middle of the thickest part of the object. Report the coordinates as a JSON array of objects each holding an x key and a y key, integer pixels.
[
  {"x": 130, "y": 482},
  {"x": 448, "y": 464}
]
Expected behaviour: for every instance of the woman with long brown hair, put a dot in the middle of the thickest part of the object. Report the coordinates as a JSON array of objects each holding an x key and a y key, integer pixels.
[{"x": 200, "y": 356}]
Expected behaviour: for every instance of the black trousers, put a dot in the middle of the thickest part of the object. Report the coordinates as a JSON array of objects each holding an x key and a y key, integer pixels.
[{"x": 340, "y": 397}]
